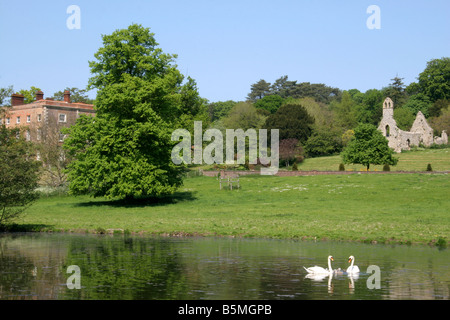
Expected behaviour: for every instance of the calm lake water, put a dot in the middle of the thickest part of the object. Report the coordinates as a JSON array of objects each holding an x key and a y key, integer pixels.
[{"x": 34, "y": 266}]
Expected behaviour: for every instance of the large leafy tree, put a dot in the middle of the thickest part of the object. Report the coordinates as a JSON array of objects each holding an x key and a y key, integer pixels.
[
  {"x": 125, "y": 151},
  {"x": 18, "y": 174},
  {"x": 345, "y": 111},
  {"x": 270, "y": 103},
  {"x": 244, "y": 116},
  {"x": 324, "y": 142},
  {"x": 293, "y": 121},
  {"x": 370, "y": 106},
  {"x": 220, "y": 109},
  {"x": 434, "y": 81},
  {"x": 368, "y": 146},
  {"x": 419, "y": 102}
]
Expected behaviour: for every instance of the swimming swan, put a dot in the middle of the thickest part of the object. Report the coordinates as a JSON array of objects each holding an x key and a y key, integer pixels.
[
  {"x": 320, "y": 270},
  {"x": 352, "y": 269}
]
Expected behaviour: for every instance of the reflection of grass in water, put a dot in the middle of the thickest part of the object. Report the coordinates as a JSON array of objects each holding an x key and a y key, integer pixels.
[{"x": 405, "y": 208}]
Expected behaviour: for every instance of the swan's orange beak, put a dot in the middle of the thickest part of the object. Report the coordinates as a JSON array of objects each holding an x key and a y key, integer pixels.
[
  {"x": 332, "y": 259},
  {"x": 349, "y": 260}
]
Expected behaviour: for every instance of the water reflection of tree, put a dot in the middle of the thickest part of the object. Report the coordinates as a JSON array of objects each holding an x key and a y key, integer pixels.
[
  {"x": 28, "y": 267},
  {"x": 127, "y": 269},
  {"x": 15, "y": 275}
]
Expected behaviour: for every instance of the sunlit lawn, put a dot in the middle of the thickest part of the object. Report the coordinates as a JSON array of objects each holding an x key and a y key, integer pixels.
[
  {"x": 408, "y": 161},
  {"x": 384, "y": 208}
]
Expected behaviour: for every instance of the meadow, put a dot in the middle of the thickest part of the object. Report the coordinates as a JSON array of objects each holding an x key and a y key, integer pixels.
[
  {"x": 416, "y": 160},
  {"x": 393, "y": 208}
]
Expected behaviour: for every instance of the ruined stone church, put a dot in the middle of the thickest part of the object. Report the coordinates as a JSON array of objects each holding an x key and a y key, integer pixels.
[{"x": 420, "y": 132}]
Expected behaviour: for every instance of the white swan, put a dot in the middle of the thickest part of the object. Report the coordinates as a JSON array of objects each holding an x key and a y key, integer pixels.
[
  {"x": 320, "y": 270},
  {"x": 352, "y": 269}
]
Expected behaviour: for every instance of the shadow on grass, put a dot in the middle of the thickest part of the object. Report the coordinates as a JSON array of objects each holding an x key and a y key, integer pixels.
[{"x": 177, "y": 197}]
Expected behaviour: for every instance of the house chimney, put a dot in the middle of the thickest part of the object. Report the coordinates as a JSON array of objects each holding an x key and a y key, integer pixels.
[
  {"x": 67, "y": 96},
  {"x": 17, "y": 99},
  {"x": 39, "y": 95}
]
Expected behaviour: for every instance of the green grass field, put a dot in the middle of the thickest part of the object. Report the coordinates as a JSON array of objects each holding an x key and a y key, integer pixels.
[
  {"x": 408, "y": 161},
  {"x": 394, "y": 208}
]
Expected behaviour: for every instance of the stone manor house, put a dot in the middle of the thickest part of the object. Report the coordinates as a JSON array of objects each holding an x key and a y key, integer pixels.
[
  {"x": 399, "y": 140},
  {"x": 43, "y": 119}
]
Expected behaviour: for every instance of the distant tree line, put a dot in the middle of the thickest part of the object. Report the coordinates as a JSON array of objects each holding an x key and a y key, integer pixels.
[{"x": 325, "y": 117}]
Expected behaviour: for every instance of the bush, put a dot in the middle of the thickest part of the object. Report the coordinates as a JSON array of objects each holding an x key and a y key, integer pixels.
[
  {"x": 294, "y": 167},
  {"x": 323, "y": 143},
  {"x": 386, "y": 167},
  {"x": 429, "y": 167},
  {"x": 18, "y": 174},
  {"x": 341, "y": 167}
]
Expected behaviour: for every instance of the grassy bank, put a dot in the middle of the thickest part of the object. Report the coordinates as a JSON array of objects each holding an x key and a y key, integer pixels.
[{"x": 405, "y": 208}]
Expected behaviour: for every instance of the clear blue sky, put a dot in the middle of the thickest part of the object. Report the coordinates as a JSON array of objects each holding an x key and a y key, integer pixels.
[{"x": 228, "y": 45}]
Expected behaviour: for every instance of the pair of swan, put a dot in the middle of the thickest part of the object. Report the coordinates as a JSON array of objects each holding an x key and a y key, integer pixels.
[{"x": 352, "y": 269}]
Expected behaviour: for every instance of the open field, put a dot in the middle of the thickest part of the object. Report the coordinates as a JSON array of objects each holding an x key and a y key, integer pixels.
[
  {"x": 398, "y": 208},
  {"x": 408, "y": 161}
]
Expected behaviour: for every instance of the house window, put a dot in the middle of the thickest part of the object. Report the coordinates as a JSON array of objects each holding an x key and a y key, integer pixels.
[
  {"x": 28, "y": 135},
  {"x": 61, "y": 137},
  {"x": 62, "y": 117},
  {"x": 18, "y": 120},
  {"x": 39, "y": 117},
  {"x": 8, "y": 120},
  {"x": 38, "y": 134},
  {"x": 28, "y": 118},
  {"x": 387, "y": 131}
]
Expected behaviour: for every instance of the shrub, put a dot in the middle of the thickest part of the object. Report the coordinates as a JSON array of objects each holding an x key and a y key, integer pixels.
[
  {"x": 441, "y": 243},
  {"x": 429, "y": 167},
  {"x": 341, "y": 167},
  {"x": 386, "y": 167},
  {"x": 18, "y": 174},
  {"x": 294, "y": 167}
]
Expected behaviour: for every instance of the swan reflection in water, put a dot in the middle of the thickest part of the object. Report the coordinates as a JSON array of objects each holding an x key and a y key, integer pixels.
[{"x": 320, "y": 277}]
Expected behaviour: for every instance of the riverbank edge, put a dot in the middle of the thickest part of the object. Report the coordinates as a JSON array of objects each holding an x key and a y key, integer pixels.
[{"x": 17, "y": 228}]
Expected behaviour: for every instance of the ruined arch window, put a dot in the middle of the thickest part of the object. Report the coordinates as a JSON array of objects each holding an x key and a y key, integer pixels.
[
  {"x": 388, "y": 131},
  {"x": 408, "y": 142}
]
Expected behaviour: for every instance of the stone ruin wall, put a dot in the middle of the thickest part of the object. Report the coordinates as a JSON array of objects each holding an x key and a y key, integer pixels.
[{"x": 399, "y": 140}]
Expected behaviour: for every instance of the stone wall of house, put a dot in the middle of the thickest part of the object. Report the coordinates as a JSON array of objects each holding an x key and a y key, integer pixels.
[{"x": 43, "y": 119}]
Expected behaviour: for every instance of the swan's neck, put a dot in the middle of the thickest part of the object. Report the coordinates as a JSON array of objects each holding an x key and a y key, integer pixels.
[
  {"x": 329, "y": 265},
  {"x": 353, "y": 261}
]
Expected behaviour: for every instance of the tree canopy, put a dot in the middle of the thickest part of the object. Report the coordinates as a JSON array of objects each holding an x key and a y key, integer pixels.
[
  {"x": 434, "y": 81},
  {"x": 125, "y": 151},
  {"x": 368, "y": 146},
  {"x": 18, "y": 174},
  {"x": 293, "y": 121},
  {"x": 291, "y": 89}
]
